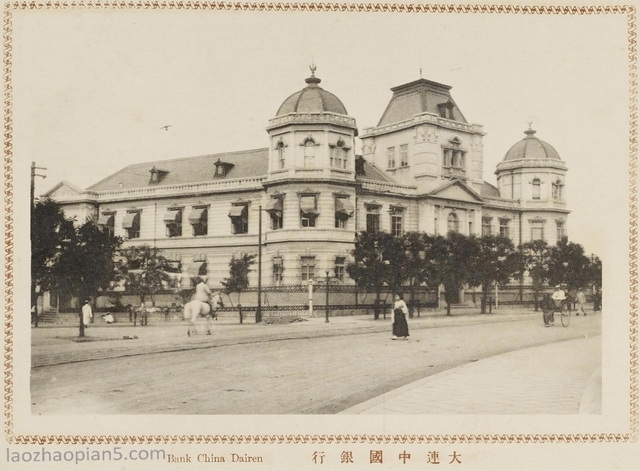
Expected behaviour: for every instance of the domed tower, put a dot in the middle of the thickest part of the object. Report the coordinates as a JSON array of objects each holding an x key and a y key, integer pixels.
[
  {"x": 312, "y": 136},
  {"x": 533, "y": 174}
]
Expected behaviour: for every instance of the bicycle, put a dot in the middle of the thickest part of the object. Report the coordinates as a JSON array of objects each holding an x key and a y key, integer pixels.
[{"x": 549, "y": 309}]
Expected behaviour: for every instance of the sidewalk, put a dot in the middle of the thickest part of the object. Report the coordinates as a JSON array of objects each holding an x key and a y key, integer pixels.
[{"x": 557, "y": 378}]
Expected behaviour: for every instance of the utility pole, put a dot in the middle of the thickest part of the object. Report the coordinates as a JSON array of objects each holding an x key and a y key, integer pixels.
[
  {"x": 34, "y": 294},
  {"x": 34, "y": 169},
  {"x": 259, "y": 308}
]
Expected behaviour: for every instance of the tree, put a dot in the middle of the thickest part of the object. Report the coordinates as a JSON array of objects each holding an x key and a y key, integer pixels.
[
  {"x": 453, "y": 264},
  {"x": 238, "y": 280},
  {"x": 496, "y": 261},
  {"x": 414, "y": 263},
  {"x": 145, "y": 270},
  {"x": 86, "y": 263},
  {"x": 378, "y": 260},
  {"x": 535, "y": 261},
  {"x": 49, "y": 228},
  {"x": 568, "y": 265},
  {"x": 595, "y": 271}
]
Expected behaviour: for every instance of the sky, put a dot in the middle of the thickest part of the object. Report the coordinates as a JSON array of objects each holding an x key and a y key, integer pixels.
[{"x": 92, "y": 89}]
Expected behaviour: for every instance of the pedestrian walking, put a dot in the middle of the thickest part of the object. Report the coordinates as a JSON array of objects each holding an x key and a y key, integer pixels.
[
  {"x": 582, "y": 300},
  {"x": 87, "y": 313},
  {"x": 399, "y": 318}
]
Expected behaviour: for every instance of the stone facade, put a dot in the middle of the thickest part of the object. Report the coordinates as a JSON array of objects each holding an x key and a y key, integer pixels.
[{"x": 309, "y": 193}]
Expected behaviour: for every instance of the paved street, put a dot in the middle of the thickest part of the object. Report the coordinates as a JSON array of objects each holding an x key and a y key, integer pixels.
[{"x": 467, "y": 363}]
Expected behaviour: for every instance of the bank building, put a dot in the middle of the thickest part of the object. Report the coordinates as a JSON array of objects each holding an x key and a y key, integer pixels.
[{"x": 309, "y": 192}]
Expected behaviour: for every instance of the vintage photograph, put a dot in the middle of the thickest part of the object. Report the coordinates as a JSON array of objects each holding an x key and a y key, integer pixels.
[{"x": 361, "y": 220}]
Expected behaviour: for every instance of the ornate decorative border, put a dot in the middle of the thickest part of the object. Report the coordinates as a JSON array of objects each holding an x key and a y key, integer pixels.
[{"x": 628, "y": 10}]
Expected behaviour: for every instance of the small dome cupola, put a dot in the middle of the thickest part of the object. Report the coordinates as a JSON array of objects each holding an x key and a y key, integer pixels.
[
  {"x": 312, "y": 99},
  {"x": 531, "y": 148}
]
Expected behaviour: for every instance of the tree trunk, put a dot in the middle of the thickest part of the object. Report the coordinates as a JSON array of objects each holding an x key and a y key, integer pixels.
[{"x": 376, "y": 306}]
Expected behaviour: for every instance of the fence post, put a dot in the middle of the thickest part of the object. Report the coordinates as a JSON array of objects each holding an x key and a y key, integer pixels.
[
  {"x": 240, "y": 312},
  {"x": 310, "y": 298}
]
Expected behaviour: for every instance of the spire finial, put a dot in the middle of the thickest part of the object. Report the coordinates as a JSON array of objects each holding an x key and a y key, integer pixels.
[
  {"x": 530, "y": 131},
  {"x": 313, "y": 80},
  {"x": 420, "y": 72}
]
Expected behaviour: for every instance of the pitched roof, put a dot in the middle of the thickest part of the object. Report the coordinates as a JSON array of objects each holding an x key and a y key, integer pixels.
[
  {"x": 372, "y": 173},
  {"x": 489, "y": 190},
  {"x": 247, "y": 163}
]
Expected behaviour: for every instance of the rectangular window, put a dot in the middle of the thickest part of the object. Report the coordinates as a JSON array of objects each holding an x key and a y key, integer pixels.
[
  {"x": 274, "y": 208},
  {"x": 339, "y": 156},
  {"x": 561, "y": 232},
  {"x": 535, "y": 189},
  {"x": 344, "y": 210},
  {"x": 308, "y": 211},
  {"x": 339, "y": 268},
  {"x": 309, "y": 153},
  {"x": 131, "y": 225},
  {"x": 486, "y": 226},
  {"x": 453, "y": 161},
  {"x": 107, "y": 221},
  {"x": 373, "y": 219},
  {"x": 404, "y": 155},
  {"x": 391, "y": 157},
  {"x": 198, "y": 218},
  {"x": 278, "y": 268},
  {"x": 239, "y": 215},
  {"x": 173, "y": 222},
  {"x": 307, "y": 268},
  {"x": 280, "y": 148},
  {"x": 397, "y": 225},
  {"x": 537, "y": 230},
  {"x": 556, "y": 189},
  {"x": 504, "y": 227}
]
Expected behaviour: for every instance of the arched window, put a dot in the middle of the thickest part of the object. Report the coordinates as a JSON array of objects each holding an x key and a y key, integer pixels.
[
  {"x": 280, "y": 151},
  {"x": 339, "y": 155},
  {"x": 453, "y": 223},
  {"x": 309, "y": 153},
  {"x": 535, "y": 189}
]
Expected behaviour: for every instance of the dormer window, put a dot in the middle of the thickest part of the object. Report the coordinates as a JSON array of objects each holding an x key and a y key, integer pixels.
[
  {"x": 445, "y": 110},
  {"x": 157, "y": 175},
  {"x": 222, "y": 168}
]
